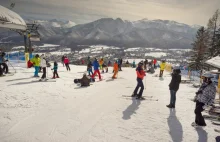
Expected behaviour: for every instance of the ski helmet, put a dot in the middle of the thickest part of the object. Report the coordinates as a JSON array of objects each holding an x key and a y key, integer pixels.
[{"x": 208, "y": 75}]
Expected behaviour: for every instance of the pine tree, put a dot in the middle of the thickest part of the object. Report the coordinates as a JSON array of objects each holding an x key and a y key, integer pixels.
[
  {"x": 199, "y": 51},
  {"x": 211, "y": 34}
]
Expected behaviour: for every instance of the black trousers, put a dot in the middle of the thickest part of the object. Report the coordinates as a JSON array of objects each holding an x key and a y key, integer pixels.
[
  {"x": 67, "y": 66},
  {"x": 5, "y": 67},
  {"x": 198, "y": 111},
  {"x": 55, "y": 74},
  {"x": 1, "y": 71},
  {"x": 139, "y": 85},
  {"x": 44, "y": 73}
]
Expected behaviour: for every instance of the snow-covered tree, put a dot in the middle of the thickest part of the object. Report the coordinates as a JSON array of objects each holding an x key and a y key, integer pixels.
[
  {"x": 199, "y": 51},
  {"x": 211, "y": 34}
]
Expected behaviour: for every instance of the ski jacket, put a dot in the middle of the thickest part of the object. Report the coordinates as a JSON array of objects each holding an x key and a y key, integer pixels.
[
  {"x": 89, "y": 66},
  {"x": 55, "y": 68},
  {"x": 66, "y": 61},
  {"x": 85, "y": 81},
  {"x": 140, "y": 73},
  {"x": 96, "y": 65},
  {"x": 36, "y": 61},
  {"x": 101, "y": 62},
  {"x": 115, "y": 67},
  {"x": 207, "y": 94},
  {"x": 175, "y": 82},
  {"x": 43, "y": 62},
  {"x": 155, "y": 61},
  {"x": 162, "y": 66}
]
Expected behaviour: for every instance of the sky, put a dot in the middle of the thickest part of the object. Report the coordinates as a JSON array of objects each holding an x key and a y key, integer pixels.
[{"x": 192, "y": 12}]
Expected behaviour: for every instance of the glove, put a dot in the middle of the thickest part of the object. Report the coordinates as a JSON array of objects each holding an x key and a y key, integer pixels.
[{"x": 205, "y": 107}]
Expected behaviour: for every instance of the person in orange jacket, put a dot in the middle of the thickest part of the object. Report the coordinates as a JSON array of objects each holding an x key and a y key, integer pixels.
[
  {"x": 140, "y": 76},
  {"x": 115, "y": 70}
]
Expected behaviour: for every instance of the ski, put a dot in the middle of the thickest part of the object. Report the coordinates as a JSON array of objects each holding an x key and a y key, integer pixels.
[
  {"x": 216, "y": 123},
  {"x": 217, "y": 130},
  {"x": 134, "y": 97},
  {"x": 147, "y": 99}
]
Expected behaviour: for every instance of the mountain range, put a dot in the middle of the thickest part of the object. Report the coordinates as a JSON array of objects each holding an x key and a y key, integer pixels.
[{"x": 115, "y": 32}]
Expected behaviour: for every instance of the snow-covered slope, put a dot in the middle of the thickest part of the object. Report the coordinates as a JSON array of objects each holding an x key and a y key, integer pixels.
[{"x": 62, "y": 111}]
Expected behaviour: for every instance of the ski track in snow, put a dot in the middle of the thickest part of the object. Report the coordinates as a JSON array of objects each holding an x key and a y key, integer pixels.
[{"x": 62, "y": 111}]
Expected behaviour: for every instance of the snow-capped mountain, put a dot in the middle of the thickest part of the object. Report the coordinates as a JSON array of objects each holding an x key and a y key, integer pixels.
[{"x": 153, "y": 33}]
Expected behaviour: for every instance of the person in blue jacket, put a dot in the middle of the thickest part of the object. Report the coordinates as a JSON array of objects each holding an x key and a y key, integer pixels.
[{"x": 96, "y": 69}]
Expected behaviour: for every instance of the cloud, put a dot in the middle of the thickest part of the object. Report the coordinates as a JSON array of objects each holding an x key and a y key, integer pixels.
[{"x": 81, "y": 11}]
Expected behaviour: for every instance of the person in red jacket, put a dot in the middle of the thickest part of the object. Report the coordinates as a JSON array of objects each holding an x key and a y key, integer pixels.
[
  {"x": 155, "y": 62},
  {"x": 140, "y": 76},
  {"x": 66, "y": 62}
]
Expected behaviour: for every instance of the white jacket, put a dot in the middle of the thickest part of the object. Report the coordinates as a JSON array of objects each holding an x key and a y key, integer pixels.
[{"x": 43, "y": 62}]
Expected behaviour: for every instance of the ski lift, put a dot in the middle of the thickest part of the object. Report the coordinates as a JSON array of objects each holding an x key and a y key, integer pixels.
[{"x": 33, "y": 32}]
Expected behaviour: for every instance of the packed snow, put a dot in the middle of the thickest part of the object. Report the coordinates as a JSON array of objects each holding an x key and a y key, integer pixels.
[{"x": 62, "y": 111}]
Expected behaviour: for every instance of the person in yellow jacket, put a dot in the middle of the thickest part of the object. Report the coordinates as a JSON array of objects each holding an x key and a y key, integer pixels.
[
  {"x": 162, "y": 67},
  {"x": 101, "y": 62},
  {"x": 36, "y": 63}
]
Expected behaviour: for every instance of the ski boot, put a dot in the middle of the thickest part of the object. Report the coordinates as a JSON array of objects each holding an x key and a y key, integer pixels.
[{"x": 133, "y": 95}]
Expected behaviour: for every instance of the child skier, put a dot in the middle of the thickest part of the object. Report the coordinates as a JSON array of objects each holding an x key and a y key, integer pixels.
[
  {"x": 162, "y": 67},
  {"x": 115, "y": 70},
  {"x": 101, "y": 62},
  {"x": 140, "y": 76},
  {"x": 55, "y": 68},
  {"x": 174, "y": 86},
  {"x": 89, "y": 68}
]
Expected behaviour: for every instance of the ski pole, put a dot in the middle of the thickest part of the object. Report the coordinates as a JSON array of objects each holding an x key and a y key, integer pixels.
[
  {"x": 12, "y": 66},
  {"x": 145, "y": 82}
]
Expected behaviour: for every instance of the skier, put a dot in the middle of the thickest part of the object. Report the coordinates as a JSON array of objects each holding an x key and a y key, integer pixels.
[
  {"x": 3, "y": 63},
  {"x": 155, "y": 62},
  {"x": 62, "y": 60},
  {"x": 162, "y": 67},
  {"x": 89, "y": 68},
  {"x": 96, "y": 69},
  {"x": 101, "y": 62},
  {"x": 55, "y": 68},
  {"x": 174, "y": 86},
  {"x": 134, "y": 65},
  {"x": 205, "y": 96},
  {"x": 43, "y": 64},
  {"x": 66, "y": 62},
  {"x": 115, "y": 70},
  {"x": 140, "y": 76},
  {"x": 119, "y": 64},
  {"x": 145, "y": 64},
  {"x": 36, "y": 62},
  {"x": 109, "y": 63}
]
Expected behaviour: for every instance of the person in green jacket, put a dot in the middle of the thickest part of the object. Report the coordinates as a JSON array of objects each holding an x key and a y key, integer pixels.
[{"x": 36, "y": 63}]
